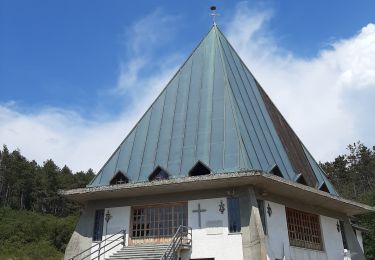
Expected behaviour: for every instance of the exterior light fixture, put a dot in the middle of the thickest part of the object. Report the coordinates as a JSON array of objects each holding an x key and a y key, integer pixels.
[
  {"x": 269, "y": 210},
  {"x": 108, "y": 216},
  {"x": 221, "y": 207}
]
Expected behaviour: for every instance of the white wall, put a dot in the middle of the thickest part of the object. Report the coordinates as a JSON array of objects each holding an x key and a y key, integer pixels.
[
  {"x": 120, "y": 220},
  {"x": 298, "y": 253},
  {"x": 212, "y": 241},
  {"x": 278, "y": 239},
  {"x": 332, "y": 238}
]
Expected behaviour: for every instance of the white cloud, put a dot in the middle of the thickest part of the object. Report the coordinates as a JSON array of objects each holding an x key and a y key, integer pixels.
[
  {"x": 328, "y": 99},
  {"x": 68, "y": 138},
  {"x": 318, "y": 96}
]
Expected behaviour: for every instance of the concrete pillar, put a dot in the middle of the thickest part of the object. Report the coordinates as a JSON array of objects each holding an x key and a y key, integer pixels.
[
  {"x": 253, "y": 237},
  {"x": 353, "y": 244},
  {"x": 82, "y": 236}
]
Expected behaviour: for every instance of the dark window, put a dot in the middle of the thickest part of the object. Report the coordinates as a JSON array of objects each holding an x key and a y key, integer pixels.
[
  {"x": 304, "y": 229},
  {"x": 276, "y": 171},
  {"x": 301, "y": 180},
  {"x": 98, "y": 225},
  {"x": 234, "y": 217},
  {"x": 324, "y": 187},
  {"x": 158, "y": 174},
  {"x": 199, "y": 169},
  {"x": 119, "y": 178},
  {"x": 262, "y": 215}
]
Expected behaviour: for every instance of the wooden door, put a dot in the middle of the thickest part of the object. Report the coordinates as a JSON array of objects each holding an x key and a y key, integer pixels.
[{"x": 156, "y": 224}]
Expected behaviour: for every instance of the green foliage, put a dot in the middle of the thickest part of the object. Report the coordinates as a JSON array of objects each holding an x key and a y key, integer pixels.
[
  {"x": 36, "y": 222},
  {"x": 26, "y": 185},
  {"x": 353, "y": 176},
  {"x": 30, "y": 235}
]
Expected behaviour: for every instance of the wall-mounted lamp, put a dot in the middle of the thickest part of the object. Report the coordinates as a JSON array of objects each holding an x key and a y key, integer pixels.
[
  {"x": 231, "y": 193},
  {"x": 108, "y": 216},
  {"x": 221, "y": 207},
  {"x": 269, "y": 210}
]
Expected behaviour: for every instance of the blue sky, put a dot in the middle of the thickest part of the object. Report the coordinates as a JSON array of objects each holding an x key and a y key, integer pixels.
[{"x": 75, "y": 70}]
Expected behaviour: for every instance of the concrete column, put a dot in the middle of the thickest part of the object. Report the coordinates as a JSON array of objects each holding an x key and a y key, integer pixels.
[
  {"x": 253, "y": 237},
  {"x": 82, "y": 236},
  {"x": 353, "y": 244}
]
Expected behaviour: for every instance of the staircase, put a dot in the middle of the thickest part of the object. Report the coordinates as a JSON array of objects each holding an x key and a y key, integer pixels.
[
  {"x": 181, "y": 240},
  {"x": 140, "y": 252}
]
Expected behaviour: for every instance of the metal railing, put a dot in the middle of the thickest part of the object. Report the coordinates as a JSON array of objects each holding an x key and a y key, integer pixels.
[
  {"x": 102, "y": 247},
  {"x": 182, "y": 237}
]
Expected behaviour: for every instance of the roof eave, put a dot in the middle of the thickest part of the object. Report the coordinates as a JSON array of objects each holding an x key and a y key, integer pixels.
[{"x": 267, "y": 183}]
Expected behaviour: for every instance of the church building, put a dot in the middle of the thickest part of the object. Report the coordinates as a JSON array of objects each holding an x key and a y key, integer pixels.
[{"x": 212, "y": 170}]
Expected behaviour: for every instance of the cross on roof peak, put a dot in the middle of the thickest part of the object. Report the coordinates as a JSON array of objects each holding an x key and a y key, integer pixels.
[{"x": 213, "y": 14}]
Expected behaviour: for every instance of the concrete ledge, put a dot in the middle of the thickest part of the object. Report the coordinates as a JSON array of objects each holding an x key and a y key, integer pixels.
[{"x": 265, "y": 182}]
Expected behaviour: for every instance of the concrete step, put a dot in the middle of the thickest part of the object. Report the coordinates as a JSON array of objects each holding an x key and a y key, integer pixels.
[{"x": 140, "y": 252}]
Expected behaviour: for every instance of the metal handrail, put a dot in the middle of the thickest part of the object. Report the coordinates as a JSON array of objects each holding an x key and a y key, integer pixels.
[
  {"x": 182, "y": 237},
  {"x": 123, "y": 237}
]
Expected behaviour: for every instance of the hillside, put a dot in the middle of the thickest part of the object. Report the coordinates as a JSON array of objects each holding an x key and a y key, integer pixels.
[{"x": 30, "y": 235}]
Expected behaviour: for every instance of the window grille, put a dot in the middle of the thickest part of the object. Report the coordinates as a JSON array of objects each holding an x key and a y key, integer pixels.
[
  {"x": 158, "y": 221},
  {"x": 304, "y": 229}
]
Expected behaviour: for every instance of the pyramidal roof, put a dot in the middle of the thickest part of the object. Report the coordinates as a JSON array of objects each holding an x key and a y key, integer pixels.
[{"x": 214, "y": 111}]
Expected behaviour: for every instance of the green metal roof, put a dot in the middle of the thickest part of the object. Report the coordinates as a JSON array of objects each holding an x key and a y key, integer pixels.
[{"x": 214, "y": 111}]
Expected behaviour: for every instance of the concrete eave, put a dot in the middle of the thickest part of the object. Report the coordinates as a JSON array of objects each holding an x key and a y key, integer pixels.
[
  {"x": 360, "y": 228},
  {"x": 267, "y": 183}
]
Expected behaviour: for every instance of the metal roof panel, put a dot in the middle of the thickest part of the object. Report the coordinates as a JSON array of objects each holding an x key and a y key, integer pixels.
[{"x": 213, "y": 111}]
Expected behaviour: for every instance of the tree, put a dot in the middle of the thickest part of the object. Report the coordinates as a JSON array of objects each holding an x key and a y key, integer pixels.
[{"x": 353, "y": 176}]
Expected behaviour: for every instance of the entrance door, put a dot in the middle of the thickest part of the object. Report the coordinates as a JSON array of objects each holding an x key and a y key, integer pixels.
[{"x": 157, "y": 223}]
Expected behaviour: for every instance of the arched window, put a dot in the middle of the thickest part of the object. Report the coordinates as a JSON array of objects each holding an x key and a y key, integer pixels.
[
  {"x": 158, "y": 174},
  {"x": 199, "y": 169},
  {"x": 119, "y": 178},
  {"x": 276, "y": 171}
]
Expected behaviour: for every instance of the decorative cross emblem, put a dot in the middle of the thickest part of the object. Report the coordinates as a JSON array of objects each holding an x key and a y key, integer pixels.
[
  {"x": 199, "y": 211},
  {"x": 221, "y": 207},
  {"x": 120, "y": 182}
]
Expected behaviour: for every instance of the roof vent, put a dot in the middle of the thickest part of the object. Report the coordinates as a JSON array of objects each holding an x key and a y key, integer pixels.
[
  {"x": 199, "y": 169},
  {"x": 301, "y": 180},
  {"x": 158, "y": 174},
  {"x": 275, "y": 170},
  {"x": 119, "y": 178}
]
